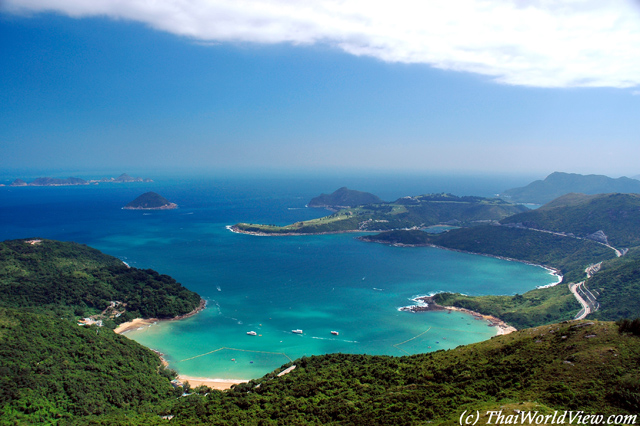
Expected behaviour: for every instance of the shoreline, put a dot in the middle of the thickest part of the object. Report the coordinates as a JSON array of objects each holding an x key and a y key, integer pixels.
[
  {"x": 145, "y": 322},
  {"x": 553, "y": 271},
  {"x": 218, "y": 384},
  {"x": 235, "y": 230},
  {"x": 427, "y": 304}
]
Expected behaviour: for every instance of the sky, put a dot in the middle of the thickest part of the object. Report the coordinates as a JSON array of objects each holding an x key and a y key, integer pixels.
[{"x": 479, "y": 86}]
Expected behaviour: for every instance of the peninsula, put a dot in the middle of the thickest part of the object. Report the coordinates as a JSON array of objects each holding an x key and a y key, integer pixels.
[
  {"x": 150, "y": 201},
  {"x": 405, "y": 213}
]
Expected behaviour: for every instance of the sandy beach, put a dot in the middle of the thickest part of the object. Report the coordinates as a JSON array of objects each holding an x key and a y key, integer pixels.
[
  {"x": 219, "y": 384},
  {"x": 145, "y": 322}
]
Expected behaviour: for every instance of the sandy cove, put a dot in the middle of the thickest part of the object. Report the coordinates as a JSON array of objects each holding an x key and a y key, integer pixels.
[
  {"x": 501, "y": 326},
  {"x": 218, "y": 384},
  {"x": 144, "y": 322}
]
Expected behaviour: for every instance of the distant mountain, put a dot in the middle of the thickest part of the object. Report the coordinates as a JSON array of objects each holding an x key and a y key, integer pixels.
[
  {"x": 344, "y": 198},
  {"x": 49, "y": 181},
  {"x": 559, "y": 183},
  {"x": 150, "y": 201}
]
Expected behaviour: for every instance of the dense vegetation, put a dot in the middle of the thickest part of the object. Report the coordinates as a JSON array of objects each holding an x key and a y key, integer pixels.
[
  {"x": 407, "y": 212},
  {"x": 75, "y": 280},
  {"x": 558, "y": 184},
  {"x": 53, "y": 370},
  {"x": 617, "y": 286}
]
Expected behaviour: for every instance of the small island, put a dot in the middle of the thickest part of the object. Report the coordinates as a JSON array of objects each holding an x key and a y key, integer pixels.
[{"x": 150, "y": 201}]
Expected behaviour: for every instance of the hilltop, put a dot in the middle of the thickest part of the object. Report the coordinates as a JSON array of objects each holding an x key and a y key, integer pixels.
[
  {"x": 150, "y": 201},
  {"x": 559, "y": 183},
  {"x": 344, "y": 198}
]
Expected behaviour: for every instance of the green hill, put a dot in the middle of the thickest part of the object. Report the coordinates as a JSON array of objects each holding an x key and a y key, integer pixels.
[
  {"x": 75, "y": 280},
  {"x": 616, "y": 215},
  {"x": 344, "y": 198},
  {"x": 559, "y": 183},
  {"x": 52, "y": 370},
  {"x": 616, "y": 287}
]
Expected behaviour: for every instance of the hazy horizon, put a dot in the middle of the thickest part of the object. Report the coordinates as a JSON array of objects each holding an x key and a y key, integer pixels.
[{"x": 326, "y": 87}]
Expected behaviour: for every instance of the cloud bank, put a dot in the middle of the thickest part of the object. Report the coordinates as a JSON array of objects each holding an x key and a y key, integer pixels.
[{"x": 539, "y": 43}]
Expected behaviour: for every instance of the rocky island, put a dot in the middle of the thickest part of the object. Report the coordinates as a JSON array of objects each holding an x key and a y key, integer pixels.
[{"x": 150, "y": 201}]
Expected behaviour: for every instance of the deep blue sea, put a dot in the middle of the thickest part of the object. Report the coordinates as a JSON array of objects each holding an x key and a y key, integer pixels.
[{"x": 272, "y": 285}]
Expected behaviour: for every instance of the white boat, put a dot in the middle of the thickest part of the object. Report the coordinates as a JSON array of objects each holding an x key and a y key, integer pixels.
[
  {"x": 335, "y": 333},
  {"x": 252, "y": 333},
  {"x": 298, "y": 331}
]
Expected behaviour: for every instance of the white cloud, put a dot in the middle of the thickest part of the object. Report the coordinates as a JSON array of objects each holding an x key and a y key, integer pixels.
[{"x": 543, "y": 43}]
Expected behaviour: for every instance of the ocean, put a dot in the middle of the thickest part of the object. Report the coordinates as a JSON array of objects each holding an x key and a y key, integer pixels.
[{"x": 273, "y": 285}]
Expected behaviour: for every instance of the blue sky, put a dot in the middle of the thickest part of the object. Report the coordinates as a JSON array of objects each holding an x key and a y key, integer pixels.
[{"x": 272, "y": 85}]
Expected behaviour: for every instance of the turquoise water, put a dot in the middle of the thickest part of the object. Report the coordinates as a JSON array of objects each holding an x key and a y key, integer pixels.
[{"x": 270, "y": 285}]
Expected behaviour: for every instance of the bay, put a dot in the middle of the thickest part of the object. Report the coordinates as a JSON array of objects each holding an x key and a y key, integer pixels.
[{"x": 272, "y": 285}]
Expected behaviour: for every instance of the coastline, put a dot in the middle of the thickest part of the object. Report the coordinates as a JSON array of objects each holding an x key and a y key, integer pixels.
[
  {"x": 235, "y": 230},
  {"x": 145, "y": 322},
  {"x": 219, "y": 384},
  {"x": 553, "y": 271},
  {"x": 426, "y": 303}
]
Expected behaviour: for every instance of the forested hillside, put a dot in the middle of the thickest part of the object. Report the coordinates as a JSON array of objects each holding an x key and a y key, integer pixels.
[
  {"x": 52, "y": 370},
  {"x": 75, "y": 280}
]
